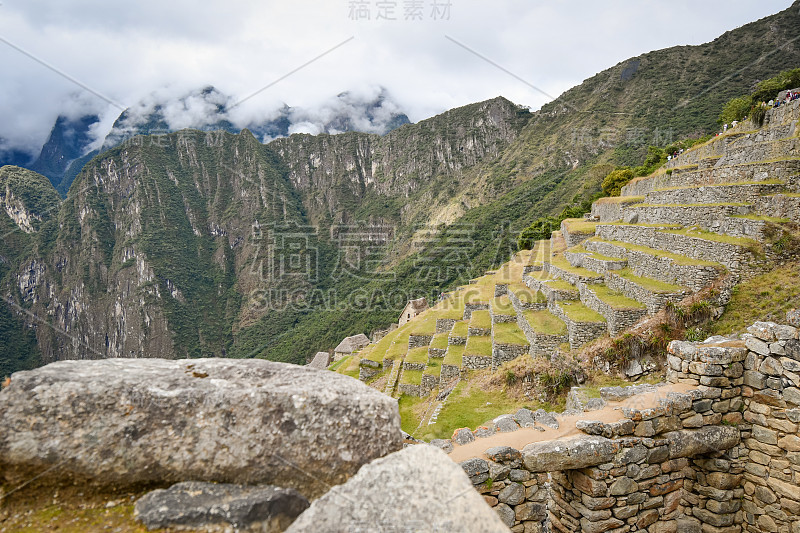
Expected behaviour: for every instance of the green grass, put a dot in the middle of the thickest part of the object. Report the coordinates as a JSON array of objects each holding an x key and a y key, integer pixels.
[
  {"x": 461, "y": 329},
  {"x": 620, "y": 200},
  {"x": 481, "y": 319},
  {"x": 335, "y": 366},
  {"x": 502, "y": 306},
  {"x": 652, "y": 285},
  {"x": 470, "y": 406},
  {"x": 561, "y": 285},
  {"x": 423, "y": 326},
  {"x": 479, "y": 345},
  {"x": 750, "y": 244},
  {"x": 408, "y": 406},
  {"x": 439, "y": 341},
  {"x": 434, "y": 368},
  {"x": 454, "y": 355},
  {"x": 454, "y": 311},
  {"x": 578, "y": 312},
  {"x": 735, "y": 183},
  {"x": 509, "y": 333},
  {"x": 677, "y": 259},
  {"x": 411, "y": 377},
  {"x": 383, "y": 345},
  {"x": 764, "y": 297},
  {"x": 579, "y": 226},
  {"x": 526, "y": 295},
  {"x": 562, "y": 264},
  {"x": 615, "y": 299},
  {"x": 417, "y": 355},
  {"x": 545, "y": 323},
  {"x": 349, "y": 366},
  {"x": 764, "y": 218},
  {"x": 397, "y": 350}
]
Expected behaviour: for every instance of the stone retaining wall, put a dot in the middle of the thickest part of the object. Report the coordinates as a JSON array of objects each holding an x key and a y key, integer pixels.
[
  {"x": 444, "y": 325},
  {"x": 419, "y": 341},
  {"x": 660, "y": 268},
  {"x": 437, "y": 353},
  {"x": 780, "y": 205},
  {"x": 618, "y": 319},
  {"x": 550, "y": 293},
  {"x": 731, "y": 256},
  {"x": 470, "y": 307},
  {"x": 540, "y": 344},
  {"x": 429, "y": 383},
  {"x": 652, "y": 300},
  {"x": 500, "y": 289},
  {"x": 713, "y": 194},
  {"x": 456, "y": 340},
  {"x": 520, "y": 307},
  {"x": 610, "y": 210},
  {"x": 708, "y": 217},
  {"x": 410, "y": 390},
  {"x": 507, "y": 352},
  {"x": 449, "y": 372},
  {"x": 414, "y": 366},
  {"x": 756, "y": 170},
  {"x": 569, "y": 277},
  {"x": 479, "y": 332},
  {"x": 579, "y": 332},
  {"x": 476, "y": 362}
]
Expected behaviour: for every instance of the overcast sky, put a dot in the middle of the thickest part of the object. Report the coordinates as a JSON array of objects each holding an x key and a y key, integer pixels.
[{"x": 301, "y": 52}]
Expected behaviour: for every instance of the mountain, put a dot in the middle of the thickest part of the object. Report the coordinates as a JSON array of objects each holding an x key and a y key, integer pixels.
[
  {"x": 68, "y": 141},
  {"x": 28, "y": 209},
  {"x": 207, "y": 109},
  {"x": 203, "y": 243},
  {"x": 12, "y": 156}
]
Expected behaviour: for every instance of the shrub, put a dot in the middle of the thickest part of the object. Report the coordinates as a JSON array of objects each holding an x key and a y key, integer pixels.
[{"x": 617, "y": 179}]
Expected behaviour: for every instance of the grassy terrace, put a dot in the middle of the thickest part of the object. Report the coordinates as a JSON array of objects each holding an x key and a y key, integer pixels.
[
  {"x": 675, "y": 258},
  {"x": 481, "y": 346},
  {"x": 434, "y": 368},
  {"x": 718, "y": 204},
  {"x": 558, "y": 243},
  {"x": 481, "y": 319},
  {"x": 479, "y": 293},
  {"x": 545, "y": 323},
  {"x": 525, "y": 295},
  {"x": 417, "y": 355},
  {"x": 378, "y": 351},
  {"x": 451, "y": 308},
  {"x": 764, "y": 218},
  {"x": 454, "y": 355},
  {"x": 502, "y": 306},
  {"x": 540, "y": 252},
  {"x": 577, "y": 312},
  {"x": 561, "y": 285},
  {"x": 579, "y": 226},
  {"x": 734, "y": 183},
  {"x": 562, "y": 264},
  {"x": 423, "y": 326},
  {"x": 460, "y": 329},
  {"x": 620, "y": 200},
  {"x": 411, "y": 377},
  {"x": 347, "y": 366},
  {"x": 652, "y": 285},
  {"x": 749, "y": 244},
  {"x": 439, "y": 341},
  {"x": 397, "y": 350},
  {"x": 579, "y": 249},
  {"x": 509, "y": 333},
  {"x": 615, "y": 299}
]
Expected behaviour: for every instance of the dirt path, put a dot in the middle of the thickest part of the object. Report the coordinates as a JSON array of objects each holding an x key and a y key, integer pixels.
[{"x": 522, "y": 437}]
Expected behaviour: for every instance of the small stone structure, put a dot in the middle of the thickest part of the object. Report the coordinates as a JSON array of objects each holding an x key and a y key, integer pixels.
[
  {"x": 723, "y": 457},
  {"x": 350, "y": 345},
  {"x": 412, "y": 309}
]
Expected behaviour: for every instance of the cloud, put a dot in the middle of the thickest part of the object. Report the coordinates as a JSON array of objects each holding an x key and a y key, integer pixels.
[{"x": 127, "y": 52}]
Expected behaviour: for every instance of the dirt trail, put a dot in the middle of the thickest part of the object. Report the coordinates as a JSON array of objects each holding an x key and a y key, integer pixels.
[{"x": 522, "y": 437}]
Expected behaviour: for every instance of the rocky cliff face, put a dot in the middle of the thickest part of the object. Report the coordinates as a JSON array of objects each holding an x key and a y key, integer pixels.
[{"x": 340, "y": 172}]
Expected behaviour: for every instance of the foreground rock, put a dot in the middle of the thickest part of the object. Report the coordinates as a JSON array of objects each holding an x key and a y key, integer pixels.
[
  {"x": 130, "y": 421},
  {"x": 392, "y": 494},
  {"x": 210, "y": 506}
]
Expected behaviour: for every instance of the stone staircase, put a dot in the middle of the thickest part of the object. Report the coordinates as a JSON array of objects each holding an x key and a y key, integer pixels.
[{"x": 707, "y": 213}]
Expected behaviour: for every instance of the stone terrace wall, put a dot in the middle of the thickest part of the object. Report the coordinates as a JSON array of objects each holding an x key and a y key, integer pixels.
[{"x": 722, "y": 458}]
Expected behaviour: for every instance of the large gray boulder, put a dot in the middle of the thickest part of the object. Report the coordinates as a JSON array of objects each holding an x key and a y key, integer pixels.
[
  {"x": 208, "y": 506},
  {"x": 568, "y": 454},
  {"x": 417, "y": 489},
  {"x": 129, "y": 421},
  {"x": 708, "y": 439}
]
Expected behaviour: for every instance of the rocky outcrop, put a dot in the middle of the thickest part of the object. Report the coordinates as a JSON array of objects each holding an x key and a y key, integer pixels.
[
  {"x": 386, "y": 495},
  {"x": 211, "y": 506},
  {"x": 125, "y": 422}
]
